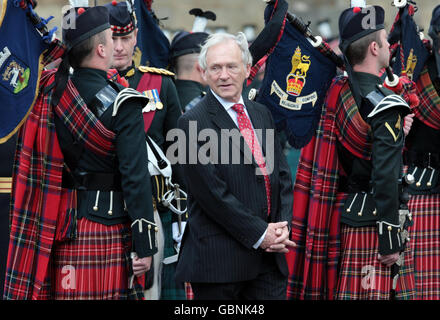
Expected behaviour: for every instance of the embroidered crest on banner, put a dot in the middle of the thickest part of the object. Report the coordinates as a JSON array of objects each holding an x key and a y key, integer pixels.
[
  {"x": 411, "y": 64},
  {"x": 14, "y": 75},
  {"x": 295, "y": 83}
]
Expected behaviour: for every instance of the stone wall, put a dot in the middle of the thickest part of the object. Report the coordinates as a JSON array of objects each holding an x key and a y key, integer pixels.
[{"x": 233, "y": 15}]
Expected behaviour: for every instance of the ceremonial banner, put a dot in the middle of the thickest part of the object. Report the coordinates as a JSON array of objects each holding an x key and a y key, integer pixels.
[
  {"x": 404, "y": 34},
  {"x": 21, "y": 48},
  {"x": 296, "y": 81},
  {"x": 152, "y": 45}
]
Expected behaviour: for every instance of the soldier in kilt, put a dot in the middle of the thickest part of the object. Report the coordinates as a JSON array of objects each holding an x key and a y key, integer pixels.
[
  {"x": 423, "y": 160},
  {"x": 158, "y": 83},
  {"x": 371, "y": 240},
  {"x": 82, "y": 222},
  {"x": 346, "y": 213}
]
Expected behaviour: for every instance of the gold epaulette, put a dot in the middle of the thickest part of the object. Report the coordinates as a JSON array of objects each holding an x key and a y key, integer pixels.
[{"x": 155, "y": 70}]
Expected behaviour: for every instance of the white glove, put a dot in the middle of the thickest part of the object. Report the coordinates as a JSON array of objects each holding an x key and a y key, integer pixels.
[{"x": 176, "y": 236}]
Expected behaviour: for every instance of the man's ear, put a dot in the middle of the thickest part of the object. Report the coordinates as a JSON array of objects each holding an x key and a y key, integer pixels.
[
  {"x": 374, "y": 48},
  {"x": 248, "y": 70},
  {"x": 198, "y": 67},
  {"x": 100, "y": 51},
  {"x": 135, "y": 33},
  {"x": 203, "y": 73}
]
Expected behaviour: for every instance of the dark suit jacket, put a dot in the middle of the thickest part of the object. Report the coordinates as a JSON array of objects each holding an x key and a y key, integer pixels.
[{"x": 227, "y": 202}]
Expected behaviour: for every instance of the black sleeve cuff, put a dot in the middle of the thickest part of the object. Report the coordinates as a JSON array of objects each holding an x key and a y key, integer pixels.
[
  {"x": 144, "y": 238},
  {"x": 389, "y": 238}
]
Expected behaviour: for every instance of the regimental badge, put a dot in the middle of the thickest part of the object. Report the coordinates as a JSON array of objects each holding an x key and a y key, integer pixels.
[
  {"x": 296, "y": 79},
  {"x": 14, "y": 74},
  {"x": 295, "y": 83},
  {"x": 411, "y": 64}
]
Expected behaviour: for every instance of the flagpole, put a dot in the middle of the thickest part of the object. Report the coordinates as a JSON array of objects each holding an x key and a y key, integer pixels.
[
  {"x": 304, "y": 28},
  {"x": 401, "y": 5}
]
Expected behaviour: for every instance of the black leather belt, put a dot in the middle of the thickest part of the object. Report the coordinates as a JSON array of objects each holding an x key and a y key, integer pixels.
[
  {"x": 350, "y": 185},
  {"x": 92, "y": 181}
]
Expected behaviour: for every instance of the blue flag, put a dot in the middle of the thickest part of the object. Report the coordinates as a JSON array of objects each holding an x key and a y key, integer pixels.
[
  {"x": 21, "y": 53},
  {"x": 415, "y": 54},
  {"x": 151, "y": 41},
  {"x": 296, "y": 81}
]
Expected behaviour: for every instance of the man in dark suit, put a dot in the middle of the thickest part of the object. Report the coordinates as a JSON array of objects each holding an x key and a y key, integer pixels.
[{"x": 239, "y": 211}]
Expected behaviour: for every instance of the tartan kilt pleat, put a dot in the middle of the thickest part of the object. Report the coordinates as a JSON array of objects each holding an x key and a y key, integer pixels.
[
  {"x": 188, "y": 291},
  {"x": 362, "y": 276},
  {"x": 425, "y": 237},
  {"x": 94, "y": 265},
  {"x": 171, "y": 289}
]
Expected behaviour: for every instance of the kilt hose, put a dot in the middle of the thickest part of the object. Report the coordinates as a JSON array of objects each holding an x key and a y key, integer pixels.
[
  {"x": 362, "y": 276},
  {"x": 171, "y": 289},
  {"x": 95, "y": 265},
  {"x": 425, "y": 239}
]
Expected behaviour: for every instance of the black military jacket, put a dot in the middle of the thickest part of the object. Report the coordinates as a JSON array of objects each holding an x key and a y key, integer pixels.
[
  {"x": 166, "y": 118},
  {"x": 188, "y": 90},
  {"x": 423, "y": 144},
  {"x": 380, "y": 175},
  {"x": 128, "y": 203},
  {"x": 7, "y": 151}
]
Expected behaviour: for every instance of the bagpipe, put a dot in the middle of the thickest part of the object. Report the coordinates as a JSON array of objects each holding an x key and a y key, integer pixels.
[
  {"x": 301, "y": 66},
  {"x": 408, "y": 50},
  {"x": 153, "y": 47},
  {"x": 408, "y": 53},
  {"x": 299, "y": 71},
  {"x": 21, "y": 62}
]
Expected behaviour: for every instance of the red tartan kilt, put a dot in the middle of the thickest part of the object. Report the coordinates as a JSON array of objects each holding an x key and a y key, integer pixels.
[
  {"x": 93, "y": 266},
  {"x": 188, "y": 291},
  {"x": 362, "y": 276},
  {"x": 425, "y": 236}
]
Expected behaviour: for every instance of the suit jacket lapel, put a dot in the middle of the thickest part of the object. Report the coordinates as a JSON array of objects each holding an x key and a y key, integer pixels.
[{"x": 218, "y": 114}]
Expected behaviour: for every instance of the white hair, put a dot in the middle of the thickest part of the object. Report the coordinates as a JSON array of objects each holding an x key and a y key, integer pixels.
[{"x": 216, "y": 38}]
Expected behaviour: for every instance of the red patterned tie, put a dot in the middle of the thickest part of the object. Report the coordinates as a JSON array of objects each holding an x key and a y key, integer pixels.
[{"x": 244, "y": 124}]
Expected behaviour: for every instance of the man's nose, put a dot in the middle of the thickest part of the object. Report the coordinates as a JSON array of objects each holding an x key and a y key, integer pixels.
[
  {"x": 224, "y": 73},
  {"x": 117, "y": 45}
]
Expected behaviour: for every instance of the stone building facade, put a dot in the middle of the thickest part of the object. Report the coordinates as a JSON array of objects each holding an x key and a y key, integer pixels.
[{"x": 236, "y": 15}]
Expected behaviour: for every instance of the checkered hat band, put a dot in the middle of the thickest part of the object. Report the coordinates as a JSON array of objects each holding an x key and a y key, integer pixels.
[{"x": 126, "y": 29}]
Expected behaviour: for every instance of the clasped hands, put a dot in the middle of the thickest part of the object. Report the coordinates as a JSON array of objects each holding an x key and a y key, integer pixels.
[
  {"x": 141, "y": 265},
  {"x": 277, "y": 238}
]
